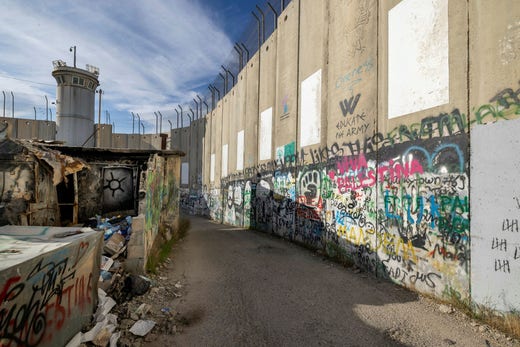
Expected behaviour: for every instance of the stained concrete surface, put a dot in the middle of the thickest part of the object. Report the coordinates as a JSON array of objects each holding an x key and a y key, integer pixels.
[{"x": 246, "y": 288}]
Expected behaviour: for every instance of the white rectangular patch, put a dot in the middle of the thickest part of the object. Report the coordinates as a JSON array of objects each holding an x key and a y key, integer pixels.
[
  {"x": 418, "y": 54},
  {"x": 311, "y": 110},
  {"x": 240, "y": 150},
  {"x": 212, "y": 168},
  {"x": 224, "y": 161},
  {"x": 185, "y": 173},
  {"x": 266, "y": 131}
]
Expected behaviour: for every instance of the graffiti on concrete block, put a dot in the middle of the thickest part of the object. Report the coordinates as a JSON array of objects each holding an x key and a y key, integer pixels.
[{"x": 119, "y": 192}]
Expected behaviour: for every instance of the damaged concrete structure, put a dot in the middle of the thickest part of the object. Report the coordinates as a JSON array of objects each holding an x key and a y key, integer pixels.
[{"x": 48, "y": 282}]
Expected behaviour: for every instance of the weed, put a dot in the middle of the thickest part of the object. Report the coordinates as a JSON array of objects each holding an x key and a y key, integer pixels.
[
  {"x": 339, "y": 254},
  {"x": 163, "y": 247},
  {"x": 507, "y": 322}
]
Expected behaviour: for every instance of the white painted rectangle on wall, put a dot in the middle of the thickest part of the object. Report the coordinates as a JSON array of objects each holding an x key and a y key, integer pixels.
[
  {"x": 311, "y": 110},
  {"x": 212, "y": 168},
  {"x": 240, "y": 150},
  {"x": 418, "y": 56},
  {"x": 224, "y": 160},
  {"x": 495, "y": 215},
  {"x": 185, "y": 173},
  {"x": 266, "y": 133}
]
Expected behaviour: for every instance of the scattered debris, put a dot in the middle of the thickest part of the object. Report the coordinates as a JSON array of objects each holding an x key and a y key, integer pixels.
[
  {"x": 142, "y": 327},
  {"x": 446, "y": 309}
]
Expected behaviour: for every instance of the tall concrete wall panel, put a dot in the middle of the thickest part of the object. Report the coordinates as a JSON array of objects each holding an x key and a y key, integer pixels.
[
  {"x": 351, "y": 119},
  {"x": 267, "y": 98},
  {"x": 252, "y": 112},
  {"x": 312, "y": 76},
  {"x": 240, "y": 120},
  {"x": 285, "y": 113},
  {"x": 422, "y": 129},
  {"x": 495, "y": 107}
]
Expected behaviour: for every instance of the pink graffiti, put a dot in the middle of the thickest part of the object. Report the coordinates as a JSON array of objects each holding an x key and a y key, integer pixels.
[{"x": 353, "y": 172}]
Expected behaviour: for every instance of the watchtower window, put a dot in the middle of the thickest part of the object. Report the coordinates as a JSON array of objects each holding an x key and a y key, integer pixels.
[{"x": 78, "y": 81}]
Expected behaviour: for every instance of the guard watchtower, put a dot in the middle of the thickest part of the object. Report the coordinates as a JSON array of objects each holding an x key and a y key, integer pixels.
[{"x": 75, "y": 103}]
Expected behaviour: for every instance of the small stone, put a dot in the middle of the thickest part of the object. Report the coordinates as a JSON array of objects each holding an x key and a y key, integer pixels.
[
  {"x": 134, "y": 316},
  {"x": 482, "y": 328},
  {"x": 126, "y": 324},
  {"x": 474, "y": 324},
  {"x": 446, "y": 309},
  {"x": 449, "y": 342},
  {"x": 150, "y": 337}
]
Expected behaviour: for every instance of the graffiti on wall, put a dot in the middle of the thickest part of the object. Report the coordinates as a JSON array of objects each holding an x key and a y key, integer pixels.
[
  {"x": 46, "y": 299},
  {"x": 16, "y": 191},
  {"x": 119, "y": 192}
]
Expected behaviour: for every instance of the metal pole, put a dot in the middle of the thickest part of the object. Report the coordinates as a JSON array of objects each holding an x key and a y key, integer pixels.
[
  {"x": 177, "y": 124},
  {"x": 133, "y": 119},
  {"x": 240, "y": 56},
  {"x": 207, "y": 107},
  {"x": 197, "y": 108},
  {"x": 275, "y": 14},
  {"x": 263, "y": 22},
  {"x": 212, "y": 97},
  {"x": 34, "y": 112},
  {"x": 73, "y": 48},
  {"x": 246, "y": 50},
  {"x": 156, "y": 122},
  {"x": 259, "y": 29},
  {"x": 143, "y": 127},
  {"x": 171, "y": 125},
  {"x": 46, "y": 108},
  {"x": 138, "y": 122},
  {"x": 160, "y": 121},
  {"x": 113, "y": 127},
  {"x": 225, "y": 82},
  {"x": 100, "y": 92},
  {"x": 200, "y": 103},
  {"x": 229, "y": 72},
  {"x": 217, "y": 90},
  {"x": 12, "y": 99},
  {"x": 50, "y": 111},
  {"x": 193, "y": 114},
  {"x": 180, "y": 107}
]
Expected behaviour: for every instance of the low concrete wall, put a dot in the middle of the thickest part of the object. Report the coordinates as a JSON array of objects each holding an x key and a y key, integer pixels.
[{"x": 48, "y": 280}]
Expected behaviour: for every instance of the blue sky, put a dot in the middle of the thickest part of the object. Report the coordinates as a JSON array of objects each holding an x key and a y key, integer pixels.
[{"x": 152, "y": 54}]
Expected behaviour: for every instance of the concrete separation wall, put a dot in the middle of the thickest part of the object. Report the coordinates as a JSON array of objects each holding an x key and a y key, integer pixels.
[
  {"x": 48, "y": 282},
  {"x": 349, "y": 149}
]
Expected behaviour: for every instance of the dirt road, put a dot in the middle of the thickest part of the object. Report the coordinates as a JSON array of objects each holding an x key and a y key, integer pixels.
[{"x": 245, "y": 288}]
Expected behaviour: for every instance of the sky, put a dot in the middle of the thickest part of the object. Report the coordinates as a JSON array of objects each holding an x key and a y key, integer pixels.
[{"x": 152, "y": 55}]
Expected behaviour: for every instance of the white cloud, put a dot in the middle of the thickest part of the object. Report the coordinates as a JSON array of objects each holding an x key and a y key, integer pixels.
[{"x": 151, "y": 54}]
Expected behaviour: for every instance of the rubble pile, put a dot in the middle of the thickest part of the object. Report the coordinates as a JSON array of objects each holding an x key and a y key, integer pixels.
[{"x": 125, "y": 316}]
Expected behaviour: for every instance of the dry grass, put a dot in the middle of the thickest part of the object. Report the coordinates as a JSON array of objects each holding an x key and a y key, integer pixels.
[{"x": 509, "y": 323}]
